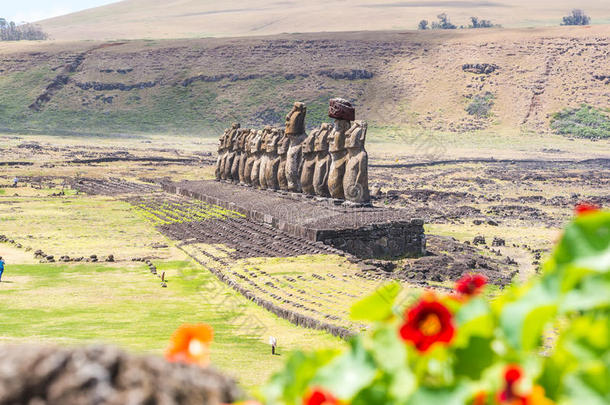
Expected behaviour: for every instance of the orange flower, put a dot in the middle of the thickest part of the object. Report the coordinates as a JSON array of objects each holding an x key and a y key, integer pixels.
[
  {"x": 480, "y": 398},
  {"x": 537, "y": 397},
  {"x": 190, "y": 344}
]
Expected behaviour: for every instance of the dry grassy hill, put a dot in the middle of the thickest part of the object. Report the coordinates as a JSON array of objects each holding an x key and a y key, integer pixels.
[
  {"x": 405, "y": 79},
  {"x": 136, "y": 19}
]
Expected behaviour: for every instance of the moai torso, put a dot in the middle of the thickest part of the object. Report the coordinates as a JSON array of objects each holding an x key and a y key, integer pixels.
[
  {"x": 356, "y": 180},
  {"x": 245, "y": 154},
  {"x": 322, "y": 165},
  {"x": 257, "y": 153},
  {"x": 282, "y": 151},
  {"x": 295, "y": 130},
  {"x": 230, "y": 155},
  {"x": 338, "y": 154},
  {"x": 343, "y": 112},
  {"x": 273, "y": 163},
  {"x": 237, "y": 148},
  {"x": 309, "y": 162},
  {"x": 262, "y": 180},
  {"x": 221, "y": 154},
  {"x": 250, "y": 147}
]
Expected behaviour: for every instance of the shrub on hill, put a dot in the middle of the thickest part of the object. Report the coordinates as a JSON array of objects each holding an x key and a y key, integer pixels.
[
  {"x": 481, "y": 105},
  {"x": 443, "y": 23},
  {"x": 9, "y": 31},
  {"x": 583, "y": 122},
  {"x": 476, "y": 23},
  {"x": 578, "y": 17},
  {"x": 423, "y": 25}
]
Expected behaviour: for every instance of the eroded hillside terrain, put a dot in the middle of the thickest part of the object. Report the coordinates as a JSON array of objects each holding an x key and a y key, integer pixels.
[{"x": 404, "y": 79}]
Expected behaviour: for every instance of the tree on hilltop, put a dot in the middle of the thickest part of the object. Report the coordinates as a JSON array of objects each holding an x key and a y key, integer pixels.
[
  {"x": 443, "y": 23},
  {"x": 423, "y": 25},
  {"x": 9, "y": 31},
  {"x": 578, "y": 17}
]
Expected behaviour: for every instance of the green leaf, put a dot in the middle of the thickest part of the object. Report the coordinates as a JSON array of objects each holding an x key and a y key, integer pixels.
[
  {"x": 524, "y": 320},
  {"x": 593, "y": 292},
  {"x": 378, "y": 306},
  {"x": 349, "y": 373},
  {"x": 473, "y": 319},
  {"x": 473, "y": 359},
  {"x": 586, "y": 243},
  {"x": 290, "y": 384},
  {"x": 388, "y": 350},
  {"x": 445, "y": 396}
]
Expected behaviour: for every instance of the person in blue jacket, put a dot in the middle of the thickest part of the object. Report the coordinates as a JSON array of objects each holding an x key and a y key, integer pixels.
[{"x": 1, "y": 267}]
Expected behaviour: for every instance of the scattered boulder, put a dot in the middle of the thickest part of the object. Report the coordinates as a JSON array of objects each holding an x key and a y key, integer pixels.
[
  {"x": 498, "y": 242},
  {"x": 480, "y": 68},
  {"x": 479, "y": 240}
]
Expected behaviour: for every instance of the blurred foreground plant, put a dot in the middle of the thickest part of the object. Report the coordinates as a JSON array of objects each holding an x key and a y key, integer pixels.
[{"x": 544, "y": 342}]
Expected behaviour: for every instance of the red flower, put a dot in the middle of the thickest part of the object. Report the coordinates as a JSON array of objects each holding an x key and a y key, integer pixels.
[
  {"x": 585, "y": 208},
  {"x": 508, "y": 395},
  {"x": 470, "y": 284},
  {"x": 428, "y": 322},
  {"x": 190, "y": 344},
  {"x": 319, "y": 396}
]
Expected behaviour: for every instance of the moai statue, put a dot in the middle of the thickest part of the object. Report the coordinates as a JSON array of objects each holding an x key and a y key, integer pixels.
[
  {"x": 257, "y": 152},
  {"x": 322, "y": 168},
  {"x": 309, "y": 162},
  {"x": 262, "y": 180},
  {"x": 245, "y": 155},
  {"x": 343, "y": 113},
  {"x": 295, "y": 129},
  {"x": 237, "y": 148},
  {"x": 282, "y": 151},
  {"x": 273, "y": 164},
  {"x": 251, "y": 148},
  {"x": 221, "y": 154},
  {"x": 356, "y": 178},
  {"x": 230, "y": 153}
]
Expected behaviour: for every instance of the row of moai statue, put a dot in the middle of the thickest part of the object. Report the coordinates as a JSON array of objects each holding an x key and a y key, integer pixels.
[{"x": 329, "y": 162}]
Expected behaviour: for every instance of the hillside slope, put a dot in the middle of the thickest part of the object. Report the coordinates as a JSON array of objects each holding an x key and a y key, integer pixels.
[
  {"x": 404, "y": 79},
  {"x": 136, "y": 19}
]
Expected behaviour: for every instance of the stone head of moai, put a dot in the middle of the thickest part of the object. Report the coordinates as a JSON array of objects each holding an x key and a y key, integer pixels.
[
  {"x": 295, "y": 120},
  {"x": 309, "y": 143},
  {"x": 223, "y": 140},
  {"x": 255, "y": 145},
  {"x": 243, "y": 136},
  {"x": 321, "y": 141},
  {"x": 283, "y": 143},
  {"x": 356, "y": 135},
  {"x": 266, "y": 137},
  {"x": 236, "y": 140},
  {"x": 273, "y": 140},
  {"x": 231, "y": 136}
]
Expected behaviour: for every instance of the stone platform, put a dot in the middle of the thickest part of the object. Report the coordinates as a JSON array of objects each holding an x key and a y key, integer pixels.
[{"x": 364, "y": 231}]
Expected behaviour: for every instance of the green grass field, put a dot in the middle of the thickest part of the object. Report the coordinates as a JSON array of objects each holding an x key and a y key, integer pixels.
[{"x": 122, "y": 303}]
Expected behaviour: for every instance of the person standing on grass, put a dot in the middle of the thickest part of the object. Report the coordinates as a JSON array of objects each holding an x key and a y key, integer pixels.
[{"x": 1, "y": 267}]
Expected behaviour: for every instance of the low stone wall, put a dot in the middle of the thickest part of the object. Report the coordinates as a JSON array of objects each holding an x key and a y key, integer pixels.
[
  {"x": 363, "y": 231},
  {"x": 389, "y": 240}
]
